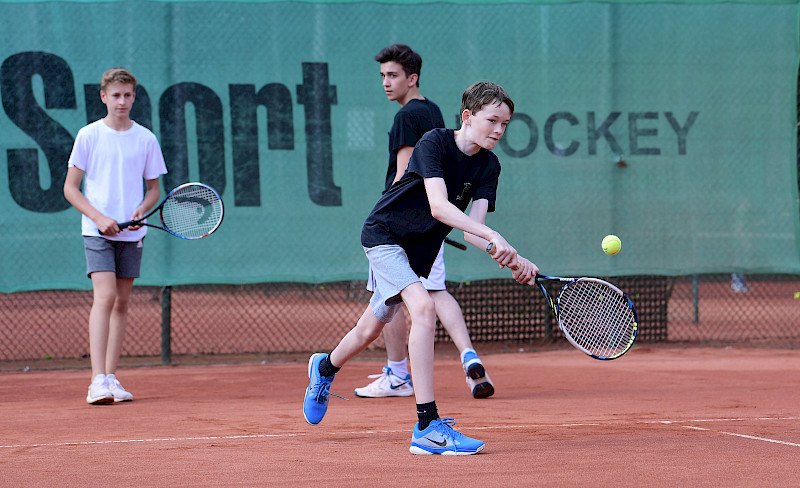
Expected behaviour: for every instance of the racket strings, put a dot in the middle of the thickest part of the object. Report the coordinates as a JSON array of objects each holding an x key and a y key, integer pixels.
[
  {"x": 192, "y": 211},
  {"x": 597, "y": 318}
]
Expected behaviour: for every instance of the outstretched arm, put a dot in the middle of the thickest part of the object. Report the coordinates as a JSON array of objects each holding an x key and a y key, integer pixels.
[
  {"x": 524, "y": 270},
  {"x": 476, "y": 232}
]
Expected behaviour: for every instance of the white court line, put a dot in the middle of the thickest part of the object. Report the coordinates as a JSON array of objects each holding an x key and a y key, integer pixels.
[
  {"x": 739, "y": 419},
  {"x": 260, "y": 436},
  {"x": 765, "y": 439},
  {"x": 744, "y": 436},
  {"x": 532, "y": 426},
  {"x": 163, "y": 439},
  {"x": 362, "y": 432}
]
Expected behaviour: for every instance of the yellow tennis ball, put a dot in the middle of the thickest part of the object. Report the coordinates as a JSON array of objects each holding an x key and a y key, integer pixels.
[{"x": 611, "y": 244}]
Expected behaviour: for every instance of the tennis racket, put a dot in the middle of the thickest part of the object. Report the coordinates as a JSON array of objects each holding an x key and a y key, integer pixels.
[
  {"x": 453, "y": 243},
  {"x": 595, "y": 316},
  {"x": 190, "y": 211}
]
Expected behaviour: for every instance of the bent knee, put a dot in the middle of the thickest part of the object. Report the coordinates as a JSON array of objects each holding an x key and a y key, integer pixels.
[{"x": 369, "y": 330}]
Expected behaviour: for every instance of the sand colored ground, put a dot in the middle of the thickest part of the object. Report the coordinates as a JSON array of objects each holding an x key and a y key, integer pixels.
[{"x": 655, "y": 417}]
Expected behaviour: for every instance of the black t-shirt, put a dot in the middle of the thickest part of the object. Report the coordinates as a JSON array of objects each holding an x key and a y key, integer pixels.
[
  {"x": 411, "y": 122},
  {"x": 402, "y": 216}
]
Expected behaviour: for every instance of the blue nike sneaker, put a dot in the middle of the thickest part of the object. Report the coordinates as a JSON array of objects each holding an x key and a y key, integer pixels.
[
  {"x": 315, "y": 403},
  {"x": 440, "y": 438}
]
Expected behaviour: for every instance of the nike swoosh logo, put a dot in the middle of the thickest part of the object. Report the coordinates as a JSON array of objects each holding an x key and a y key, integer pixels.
[
  {"x": 438, "y": 443},
  {"x": 394, "y": 387}
]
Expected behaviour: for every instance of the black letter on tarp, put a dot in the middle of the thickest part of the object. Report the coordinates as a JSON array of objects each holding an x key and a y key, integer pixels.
[
  {"x": 244, "y": 132},
  {"x": 317, "y": 97},
  {"x": 21, "y": 107},
  {"x": 594, "y": 134},
  {"x": 681, "y": 131},
  {"x": 548, "y": 134},
  {"x": 210, "y": 135},
  {"x": 533, "y": 137},
  {"x": 141, "y": 111},
  {"x": 634, "y": 132}
]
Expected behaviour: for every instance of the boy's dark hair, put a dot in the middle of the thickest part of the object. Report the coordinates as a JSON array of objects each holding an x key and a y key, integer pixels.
[
  {"x": 484, "y": 93},
  {"x": 117, "y": 75},
  {"x": 404, "y": 56}
]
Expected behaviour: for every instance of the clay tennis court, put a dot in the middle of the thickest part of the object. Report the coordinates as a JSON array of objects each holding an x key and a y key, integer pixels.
[{"x": 655, "y": 417}]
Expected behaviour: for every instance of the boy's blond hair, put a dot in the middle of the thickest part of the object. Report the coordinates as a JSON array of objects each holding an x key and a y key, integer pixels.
[
  {"x": 484, "y": 93},
  {"x": 117, "y": 75}
]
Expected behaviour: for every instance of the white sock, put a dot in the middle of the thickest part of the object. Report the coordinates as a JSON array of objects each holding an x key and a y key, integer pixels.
[{"x": 399, "y": 368}]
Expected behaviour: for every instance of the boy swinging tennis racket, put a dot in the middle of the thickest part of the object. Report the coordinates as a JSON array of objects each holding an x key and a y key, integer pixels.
[
  {"x": 401, "y": 68},
  {"x": 402, "y": 236}
]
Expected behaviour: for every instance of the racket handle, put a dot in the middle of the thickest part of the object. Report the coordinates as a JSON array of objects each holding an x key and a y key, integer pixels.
[
  {"x": 123, "y": 225},
  {"x": 453, "y": 243},
  {"x": 491, "y": 250}
]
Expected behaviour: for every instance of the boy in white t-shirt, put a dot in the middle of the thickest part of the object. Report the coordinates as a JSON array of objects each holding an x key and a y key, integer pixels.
[{"x": 114, "y": 155}]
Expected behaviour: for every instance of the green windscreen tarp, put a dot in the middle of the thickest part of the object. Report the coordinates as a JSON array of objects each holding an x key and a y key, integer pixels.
[{"x": 671, "y": 125}]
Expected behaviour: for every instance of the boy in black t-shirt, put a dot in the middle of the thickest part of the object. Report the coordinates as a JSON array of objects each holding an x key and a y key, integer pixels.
[
  {"x": 402, "y": 237},
  {"x": 401, "y": 68}
]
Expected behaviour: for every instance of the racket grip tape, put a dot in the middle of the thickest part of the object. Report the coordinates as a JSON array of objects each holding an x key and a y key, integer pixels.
[
  {"x": 123, "y": 225},
  {"x": 491, "y": 250}
]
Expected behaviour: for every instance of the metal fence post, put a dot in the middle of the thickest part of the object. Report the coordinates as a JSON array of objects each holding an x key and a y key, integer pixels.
[
  {"x": 166, "y": 325},
  {"x": 696, "y": 297}
]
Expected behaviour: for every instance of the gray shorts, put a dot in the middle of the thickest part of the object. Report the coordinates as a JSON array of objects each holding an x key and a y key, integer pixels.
[
  {"x": 120, "y": 257},
  {"x": 435, "y": 280},
  {"x": 391, "y": 274}
]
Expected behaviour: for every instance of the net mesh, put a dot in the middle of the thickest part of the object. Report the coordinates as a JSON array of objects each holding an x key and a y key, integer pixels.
[
  {"x": 275, "y": 321},
  {"x": 597, "y": 318},
  {"x": 661, "y": 122},
  {"x": 192, "y": 211}
]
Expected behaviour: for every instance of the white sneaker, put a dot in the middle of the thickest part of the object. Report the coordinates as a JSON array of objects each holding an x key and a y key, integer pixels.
[
  {"x": 99, "y": 394},
  {"x": 478, "y": 380},
  {"x": 120, "y": 394},
  {"x": 482, "y": 387},
  {"x": 387, "y": 385}
]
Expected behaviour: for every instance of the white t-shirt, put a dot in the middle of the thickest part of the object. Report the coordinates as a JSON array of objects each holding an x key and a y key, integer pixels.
[{"x": 115, "y": 164}]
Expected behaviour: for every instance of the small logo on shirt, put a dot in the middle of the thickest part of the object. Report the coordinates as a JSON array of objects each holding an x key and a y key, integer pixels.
[{"x": 464, "y": 191}]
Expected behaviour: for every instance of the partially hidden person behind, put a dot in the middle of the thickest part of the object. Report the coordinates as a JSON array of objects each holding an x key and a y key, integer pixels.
[{"x": 400, "y": 69}]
